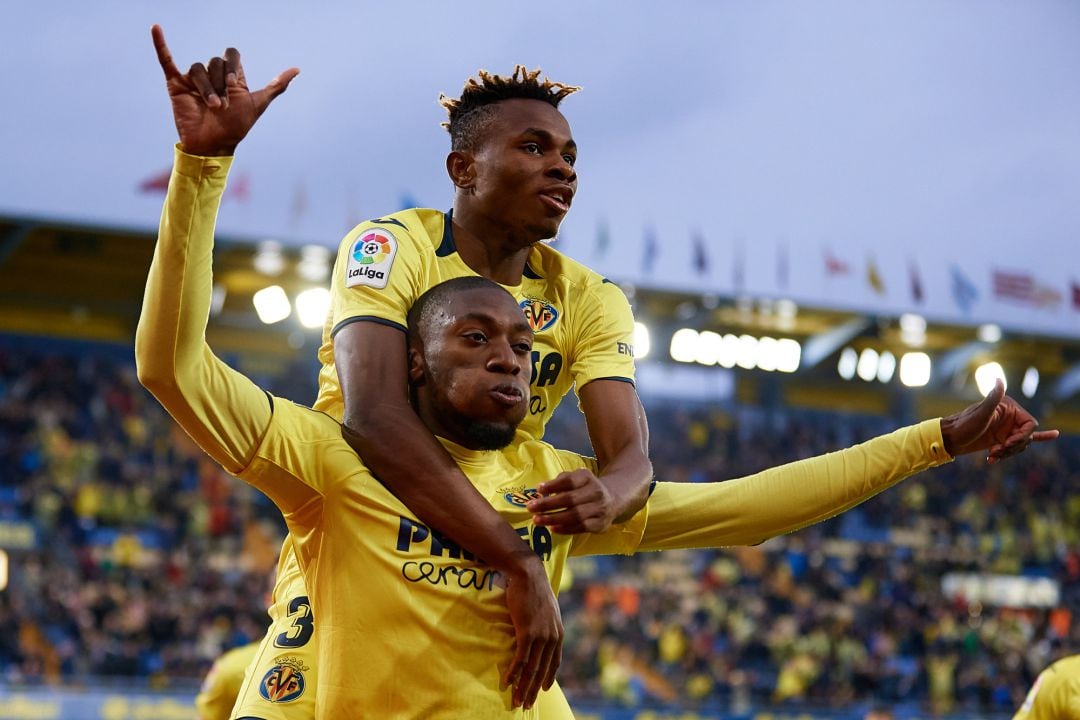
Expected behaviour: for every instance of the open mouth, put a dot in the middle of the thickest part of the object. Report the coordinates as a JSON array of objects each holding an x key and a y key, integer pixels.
[{"x": 557, "y": 199}]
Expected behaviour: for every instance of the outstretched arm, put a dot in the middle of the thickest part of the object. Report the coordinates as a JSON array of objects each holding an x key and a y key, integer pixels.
[
  {"x": 221, "y": 409},
  {"x": 752, "y": 509}
]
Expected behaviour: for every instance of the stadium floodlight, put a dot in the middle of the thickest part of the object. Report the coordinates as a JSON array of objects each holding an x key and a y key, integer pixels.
[
  {"x": 1030, "y": 384},
  {"x": 915, "y": 369},
  {"x": 913, "y": 329},
  {"x": 886, "y": 367},
  {"x": 314, "y": 265},
  {"x": 849, "y": 359},
  {"x": 312, "y": 306},
  {"x": 987, "y": 374},
  {"x": 729, "y": 351},
  {"x": 746, "y": 352},
  {"x": 218, "y": 293},
  {"x": 269, "y": 259},
  {"x": 766, "y": 354},
  {"x": 642, "y": 341},
  {"x": 272, "y": 304},
  {"x": 708, "y": 348},
  {"x": 684, "y": 345},
  {"x": 868, "y": 364},
  {"x": 788, "y": 355},
  {"x": 989, "y": 333}
]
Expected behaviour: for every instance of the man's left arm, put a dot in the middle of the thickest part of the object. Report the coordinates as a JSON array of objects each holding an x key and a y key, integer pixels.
[
  {"x": 750, "y": 510},
  {"x": 603, "y": 368}
]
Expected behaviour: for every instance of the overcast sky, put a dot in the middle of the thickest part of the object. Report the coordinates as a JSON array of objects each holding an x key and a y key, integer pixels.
[{"x": 944, "y": 131}]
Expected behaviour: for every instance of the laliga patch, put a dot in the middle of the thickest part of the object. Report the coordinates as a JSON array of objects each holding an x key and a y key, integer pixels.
[
  {"x": 540, "y": 315},
  {"x": 284, "y": 682},
  {"x": 370, "y": 259}
]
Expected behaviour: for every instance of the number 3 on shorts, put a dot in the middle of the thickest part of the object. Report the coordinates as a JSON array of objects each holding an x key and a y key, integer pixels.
[{"x": 303, "y": 624}]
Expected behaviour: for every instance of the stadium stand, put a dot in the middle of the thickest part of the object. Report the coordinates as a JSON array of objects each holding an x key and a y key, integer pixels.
[{"x": 140, "y": 560}]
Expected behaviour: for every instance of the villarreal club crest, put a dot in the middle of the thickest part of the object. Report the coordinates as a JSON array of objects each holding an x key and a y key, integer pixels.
[
  {"x": 284, "y": 682},
  {"x": 540, "y": 315}
]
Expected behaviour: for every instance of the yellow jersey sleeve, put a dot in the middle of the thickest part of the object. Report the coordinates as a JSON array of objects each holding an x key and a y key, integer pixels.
[
  {"x": 222, "y": 684},
  {"x": 1055, "y": 695},
  {"x": 752, "y": 509},
  {"x": 378, "y": 274},
  {"x": 606, "y": 346},
  {"x": 223, "y": 411}
]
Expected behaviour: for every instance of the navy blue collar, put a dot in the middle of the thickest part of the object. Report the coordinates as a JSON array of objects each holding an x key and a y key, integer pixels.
[{"x": 448, "y": 247}]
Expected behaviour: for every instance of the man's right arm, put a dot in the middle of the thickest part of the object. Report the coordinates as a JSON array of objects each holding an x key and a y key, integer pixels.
[{"x": 223, "y": 411}]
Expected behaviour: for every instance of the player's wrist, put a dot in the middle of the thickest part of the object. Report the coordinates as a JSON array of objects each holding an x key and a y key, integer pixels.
[
  {"x": 949, "y": 439},
  {"x": 526, "y": 566}
]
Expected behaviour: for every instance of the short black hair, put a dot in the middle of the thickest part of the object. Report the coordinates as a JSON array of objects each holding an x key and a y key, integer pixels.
[
  {"x": 468, "y": 115},
  {"x": 422, "y": 312}
]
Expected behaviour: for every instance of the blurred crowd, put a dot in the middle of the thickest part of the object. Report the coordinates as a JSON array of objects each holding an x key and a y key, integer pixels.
[{"x": 148, "y": 561}]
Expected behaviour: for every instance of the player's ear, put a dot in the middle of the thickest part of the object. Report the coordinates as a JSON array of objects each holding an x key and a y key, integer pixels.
[
  {"x": 461, "y": 167},
  {"x": 417, "y": 366}
]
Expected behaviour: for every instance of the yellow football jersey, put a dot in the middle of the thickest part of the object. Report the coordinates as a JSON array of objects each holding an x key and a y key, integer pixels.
[
  {"x": 409, "y": 624},
  {"x": 584, "y": 326},
  {"x": 222, "y": 684},
  {"x": 1055, "y": 695}
]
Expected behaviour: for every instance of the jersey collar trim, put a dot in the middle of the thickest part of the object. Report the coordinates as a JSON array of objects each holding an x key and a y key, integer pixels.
[{"x": 447, "y": 246}]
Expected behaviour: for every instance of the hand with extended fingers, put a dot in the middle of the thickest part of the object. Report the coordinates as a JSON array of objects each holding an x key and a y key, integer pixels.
[
  {"x": 212, "y": 105},
  {"x": 997, "y": 424}
]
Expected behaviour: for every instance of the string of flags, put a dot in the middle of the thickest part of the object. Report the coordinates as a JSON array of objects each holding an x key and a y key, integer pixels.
[{"x": 1004, "y": 285}]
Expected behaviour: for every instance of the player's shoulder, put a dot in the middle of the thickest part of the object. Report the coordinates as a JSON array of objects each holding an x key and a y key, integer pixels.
[
  {"x": 575, "y": 279},
  {"x": 545, "y": 261},
  {"x": 297, "y": 426},
  {"x": 422, "y": 228}
]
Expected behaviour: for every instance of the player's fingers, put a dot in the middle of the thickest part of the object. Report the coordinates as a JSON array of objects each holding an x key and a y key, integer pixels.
[
  {"x": 521, "y": 669},
  {"x": 553, "y": 665},
  {"x": 1022, "y": 433},
  {"x": 532, "y": 674},
  {"x": 275, "y": 87},
  {"x": 201, "y": 80},
  {"x": 563, "y": 482},
  {"x": 554, "y": 503},
  {"x": 232, "y": 66},
  {"x": 164, "y": 56},
  {"x": 1044, "y": 435},
  {"x": 985, "y": 409},
  {"x": 572, "y": 512},
  {"x": 215, "y": 70},
  {"x": 513, "y": 670},
  {"x": 543, "y": 673}
]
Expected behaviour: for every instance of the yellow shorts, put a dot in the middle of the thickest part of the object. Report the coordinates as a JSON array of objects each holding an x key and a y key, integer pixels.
[{"x": 280, "y": 682}]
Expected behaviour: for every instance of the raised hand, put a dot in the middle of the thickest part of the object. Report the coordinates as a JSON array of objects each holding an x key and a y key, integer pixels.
[
  {"x": 997, "y": 424},
  {"x": 212, "y": 105},
  {"x": 573, "y": 502}
]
